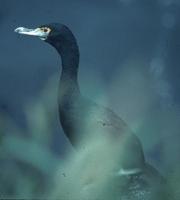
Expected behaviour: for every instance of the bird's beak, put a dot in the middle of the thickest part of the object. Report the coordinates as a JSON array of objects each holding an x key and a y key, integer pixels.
[{"x": 33, "y": 32}]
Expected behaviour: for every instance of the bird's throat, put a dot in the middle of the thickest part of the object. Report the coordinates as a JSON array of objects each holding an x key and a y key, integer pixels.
[{"x": 69, "y": 53}]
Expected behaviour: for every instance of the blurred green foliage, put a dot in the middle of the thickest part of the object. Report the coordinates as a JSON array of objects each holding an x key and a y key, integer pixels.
[
  {"x": 30, "y": 169},
  {"x": 27, "y": 162}
]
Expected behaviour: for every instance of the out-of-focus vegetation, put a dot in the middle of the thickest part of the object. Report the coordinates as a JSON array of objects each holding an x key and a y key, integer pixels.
[
  {"x": 27, "y": 162},
  {"x": 30, "y": 169}
]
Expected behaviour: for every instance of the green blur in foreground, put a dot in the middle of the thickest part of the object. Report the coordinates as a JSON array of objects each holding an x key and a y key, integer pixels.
[{"x": 30, "y": 169}]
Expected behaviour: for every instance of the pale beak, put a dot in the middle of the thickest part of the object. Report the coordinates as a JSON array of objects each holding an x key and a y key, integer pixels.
[{"x": 33, "y": 32}]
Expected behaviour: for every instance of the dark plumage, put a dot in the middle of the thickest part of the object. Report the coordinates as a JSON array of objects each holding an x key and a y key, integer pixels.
[{"x": 82, "y": 118}]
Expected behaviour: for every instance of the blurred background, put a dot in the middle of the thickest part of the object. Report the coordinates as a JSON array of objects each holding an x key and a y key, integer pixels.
[{"x": 130, "y": 55}]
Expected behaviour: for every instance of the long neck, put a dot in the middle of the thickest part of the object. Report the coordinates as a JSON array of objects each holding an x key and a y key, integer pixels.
[{"x": 69, "y": 52}]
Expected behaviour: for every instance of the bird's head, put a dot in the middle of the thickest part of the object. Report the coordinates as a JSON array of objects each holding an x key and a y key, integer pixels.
[
  {"x": 49, "y": 32},
  {"x": 59, "y": 36}
]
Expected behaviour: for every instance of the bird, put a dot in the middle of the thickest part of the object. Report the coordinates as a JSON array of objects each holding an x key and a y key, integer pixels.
[
  {"x": 83, "y": 120},
  {"x": 98, "y": 133}
]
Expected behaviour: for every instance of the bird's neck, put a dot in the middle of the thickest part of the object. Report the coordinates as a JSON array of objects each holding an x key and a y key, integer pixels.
[{"x": 69, "y": 53}]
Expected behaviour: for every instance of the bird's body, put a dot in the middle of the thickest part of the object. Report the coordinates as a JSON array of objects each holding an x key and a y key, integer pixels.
[{"x": 83, "y": 120}]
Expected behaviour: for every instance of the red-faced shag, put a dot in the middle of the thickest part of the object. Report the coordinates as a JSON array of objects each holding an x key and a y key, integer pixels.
[{"x": 81, "y": 118}]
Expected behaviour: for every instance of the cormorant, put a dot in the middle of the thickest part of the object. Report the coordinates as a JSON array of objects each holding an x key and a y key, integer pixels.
[{"x": 83, "y": 120}]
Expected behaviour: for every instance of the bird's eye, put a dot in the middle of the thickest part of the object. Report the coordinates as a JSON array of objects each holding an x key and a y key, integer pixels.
[{"x": 45, "y": 29}]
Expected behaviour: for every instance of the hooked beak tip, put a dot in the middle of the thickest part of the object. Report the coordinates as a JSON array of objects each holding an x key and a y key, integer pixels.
[{"x": 18, "y": 30}]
